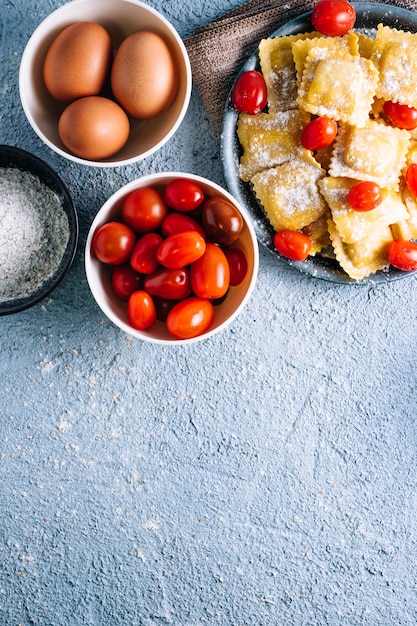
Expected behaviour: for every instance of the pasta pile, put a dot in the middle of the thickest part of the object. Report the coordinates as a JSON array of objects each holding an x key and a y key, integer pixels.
[{"x": 348, "y": 79}]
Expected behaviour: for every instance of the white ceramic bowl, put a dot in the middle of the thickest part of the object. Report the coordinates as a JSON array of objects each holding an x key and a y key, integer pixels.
[
  {"x": 121, "y": 18},
  {"x": 99, "y": 275}
]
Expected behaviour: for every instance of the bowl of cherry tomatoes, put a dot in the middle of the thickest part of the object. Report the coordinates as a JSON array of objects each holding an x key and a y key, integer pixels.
[{"x": 171, "y": 258}]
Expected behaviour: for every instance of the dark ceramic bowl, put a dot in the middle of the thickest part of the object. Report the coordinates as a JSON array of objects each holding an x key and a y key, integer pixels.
[
  {"x": 368, "y": 16},
  {"x": 11, "y": 157}
]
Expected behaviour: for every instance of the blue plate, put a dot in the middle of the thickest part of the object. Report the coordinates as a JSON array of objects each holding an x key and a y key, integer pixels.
[{"x": 368, "y": 16}]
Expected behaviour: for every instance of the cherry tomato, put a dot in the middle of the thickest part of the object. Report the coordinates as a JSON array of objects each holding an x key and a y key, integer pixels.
[
  {"x": 210, "y": 274},
  {"x": 365, "y": 196},
  {"x": 221, "y": 220},
  {"x": 125, "y": 281},
  {"x": 238, "y": 265},
  {"x": 401, "y": 115},
  {"x": 141, "y": 311},
  {"x": 249, "y": 94},
  {"x": 171, "y": 284},
  {"x": 190, "y": 318},
  {"x": 403, "y": 255},
  {"x": 411, "y": 178},
  {"x": 319, "y": 133},
  {"x": 144, "y": 209},
  {"x": 292, "y": 244},
  {"x": 163, "y": 307},
  {"x": 181, "y": 249},
  {"x": 143, "y": 258},
  {"x": 333, "y": 17},
  {"x": 113, "y": 243},
  {"x": 178, "y": 223},
  {"x": 183, "y": 195}
]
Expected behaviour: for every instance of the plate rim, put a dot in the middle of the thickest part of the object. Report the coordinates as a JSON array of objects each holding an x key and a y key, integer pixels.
[{"x": 229, "y": 147}]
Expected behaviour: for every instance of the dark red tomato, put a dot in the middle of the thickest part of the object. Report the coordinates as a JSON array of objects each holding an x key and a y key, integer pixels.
[
  {"x": 402, "y": 255},
  {"x": 181, "y": 249},
  {"x": 222, "y": 222},
  {"x": 238, "y": 265},
  {"x": 411, "y": 178},
  {"x": 210, "y": 274},
  {"x": 292, "y": 244},
  {"x": 144, "y": 210},
  {"x": 171, "y": 284},
  {"x": 163, "y": 307},
  {"x": 178, "y": 223},
  {"x": 401, "y": 115},
  {"x": 333, "y": 17},
  {"x": 365, "y": 196},
  {"x": 183, "y": 195},
  {"x": 125, "y": 281},
  {"x": 141, "y": 311},
  {"x": 249, "y": 94},
  {"x": 113, "y": 243},
  {"x": 143, "y": 258},
  {"x": 189, "y": 318},
  {"x": 319, "y": 133}
]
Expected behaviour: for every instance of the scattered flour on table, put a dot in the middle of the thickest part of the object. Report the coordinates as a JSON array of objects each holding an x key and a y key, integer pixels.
[{"x": 34, "y": 233}]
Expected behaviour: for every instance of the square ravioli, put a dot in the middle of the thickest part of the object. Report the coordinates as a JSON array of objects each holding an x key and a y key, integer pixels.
[
  {"x": 364, "y": 257},
  {"x": 277, "y": 66},
  {"x": 354, "y": 226},
  {"x": 302, "y": 46},
  {"x": 268, "y": 139},
  {"x": 395, "y": 57},
  {"x": 375, "y": 152},
  {"x": 289, "y": 193},
  {"x": 338, "y": 85}
]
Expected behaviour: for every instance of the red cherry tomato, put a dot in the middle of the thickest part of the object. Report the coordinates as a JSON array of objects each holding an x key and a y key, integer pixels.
[
  {"x": 333, "y": 17},
  {"x": 183, "y": 195},
  {"x": 141, "y": 311},
  {"x": 171, "y": 284},
  {"x": 292, "y": 244},
  {"x": 403, "y": 255},
  {"x": 210, "y": 274},
  {"x": 238, "y": 265},
  {"x": 411, "y": 178},
  {"x": 181, "y": 249},
  {"x": 222, "y": 222},
  {"x": 190, "y": 318},
  {"x": 249, "y": 94},
  {"x": 365, "y": 196},
  {"x": 319, "y": 133},
  {"x": 178, "y": 223},
  {"x": 401, "y": 115},
  {"x": 144, "y": 209},
  {"x": 125, "y": 281},
  {"x": 143, "y": 258},
  {"x": 113, "y": 243}
]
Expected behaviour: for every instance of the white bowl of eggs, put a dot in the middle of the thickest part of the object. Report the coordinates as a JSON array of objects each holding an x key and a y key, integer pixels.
[{"x": 105, "y": 82}]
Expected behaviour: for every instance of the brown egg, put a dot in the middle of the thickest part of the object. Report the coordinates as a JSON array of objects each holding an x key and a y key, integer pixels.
[
  {"x": 78, "y": 62},
  {"x": 143, "y": 75},
  {"x": 94, "y": 128}
]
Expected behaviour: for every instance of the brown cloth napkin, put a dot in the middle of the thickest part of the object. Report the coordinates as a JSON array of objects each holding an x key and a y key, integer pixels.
[{"x": 218, "y": 50}]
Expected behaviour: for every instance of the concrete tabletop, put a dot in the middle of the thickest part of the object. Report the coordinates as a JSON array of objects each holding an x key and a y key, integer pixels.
[{"x": 265, "y": 476}]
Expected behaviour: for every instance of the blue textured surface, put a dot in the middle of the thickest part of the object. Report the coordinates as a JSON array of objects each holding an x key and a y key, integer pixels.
[{"x": 264, "y": 477}]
